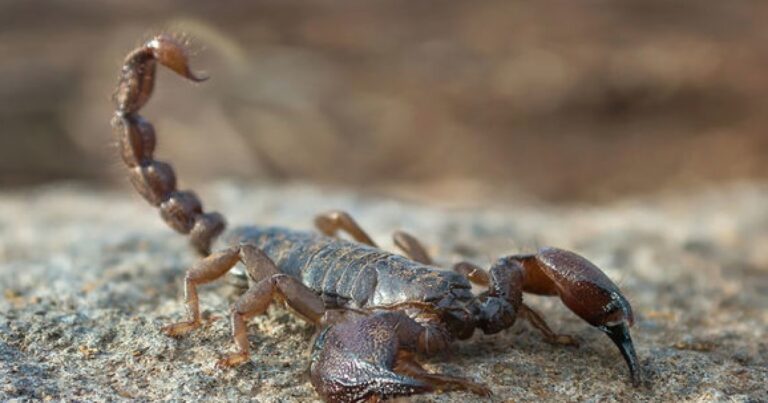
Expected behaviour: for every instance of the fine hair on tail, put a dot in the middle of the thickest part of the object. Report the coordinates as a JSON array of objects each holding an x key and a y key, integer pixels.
[{"x": 156, "y": 180}]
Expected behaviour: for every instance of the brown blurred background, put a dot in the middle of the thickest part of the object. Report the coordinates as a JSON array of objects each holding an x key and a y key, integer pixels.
[{"x": 564, "y": 101}]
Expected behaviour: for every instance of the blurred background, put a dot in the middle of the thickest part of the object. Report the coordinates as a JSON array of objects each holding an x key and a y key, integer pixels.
[{"x": 559, "y": 101}]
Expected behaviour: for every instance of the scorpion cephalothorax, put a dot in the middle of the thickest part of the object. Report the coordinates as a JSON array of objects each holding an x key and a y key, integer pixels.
[{"x": 374, "y": 309}]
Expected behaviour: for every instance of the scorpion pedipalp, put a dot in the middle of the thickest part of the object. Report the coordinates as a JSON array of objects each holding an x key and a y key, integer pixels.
[
  {"x": 586, "y": 291},
  {"x": 364, "y": 357}
]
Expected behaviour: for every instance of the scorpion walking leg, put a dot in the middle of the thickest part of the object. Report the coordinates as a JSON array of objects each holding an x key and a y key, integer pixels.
[
  {"x": 269, "y": 285},
  {"x": 331, "y": 222},
  {"x": 210, "y": 268},
  {"x": 406, "y": 364},
  {"x": 411, "y": 246},
  {"x": 535, "y": 319},
  {"x": 473, "y": 273},
  {"x": 205, "y": 271}
]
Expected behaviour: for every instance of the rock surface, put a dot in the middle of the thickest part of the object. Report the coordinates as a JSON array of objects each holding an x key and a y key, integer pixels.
[{"x": 88, "y": 277}]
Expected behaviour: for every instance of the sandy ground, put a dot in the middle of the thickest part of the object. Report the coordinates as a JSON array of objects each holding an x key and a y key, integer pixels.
[{"x": 88, "y": 277}]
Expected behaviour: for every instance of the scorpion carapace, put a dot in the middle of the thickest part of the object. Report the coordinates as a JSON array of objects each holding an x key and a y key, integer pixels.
[{"x": 375, "y": 310}]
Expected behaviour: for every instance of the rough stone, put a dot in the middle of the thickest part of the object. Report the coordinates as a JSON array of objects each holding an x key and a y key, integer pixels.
[{"x": 89, "y": 276}]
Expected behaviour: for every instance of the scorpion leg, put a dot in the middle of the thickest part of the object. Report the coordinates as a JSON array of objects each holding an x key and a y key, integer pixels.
[
  {"x": 269, "y": 285},
  {"x": 406, "y": 364},
  {"x": 535, "y": 319},
  {"x": 412, "y": 248},
  {"x": 205, "y": 271},
  {"x": 370, "y": 358},
  {"x": 473, "y": 273},
  {"x": 331, "y": 222},
  {"x": 585, "y": 290}
]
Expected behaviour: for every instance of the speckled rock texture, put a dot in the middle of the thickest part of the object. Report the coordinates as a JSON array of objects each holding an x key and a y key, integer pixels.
[{"x": 89, "y": 276}]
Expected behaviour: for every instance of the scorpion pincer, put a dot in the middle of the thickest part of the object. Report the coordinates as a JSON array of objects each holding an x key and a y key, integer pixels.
[{"x": 376, "y": 310}]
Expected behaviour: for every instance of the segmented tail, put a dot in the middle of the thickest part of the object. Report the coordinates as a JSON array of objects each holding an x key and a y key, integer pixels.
[{"x": 155, "y": 180}]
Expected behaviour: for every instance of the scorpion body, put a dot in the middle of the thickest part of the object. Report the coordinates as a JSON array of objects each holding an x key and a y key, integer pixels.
[
  {"x": 353, "y": 275},
  {"x": 375, "y": 310}
]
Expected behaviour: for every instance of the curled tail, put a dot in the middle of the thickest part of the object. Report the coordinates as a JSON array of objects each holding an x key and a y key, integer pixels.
[{"x": 155, "y": 180}]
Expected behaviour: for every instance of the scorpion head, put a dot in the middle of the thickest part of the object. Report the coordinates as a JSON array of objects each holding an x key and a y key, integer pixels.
[
  {"x": 496, "y": 314},
  {"x": 458, "y": 311}
]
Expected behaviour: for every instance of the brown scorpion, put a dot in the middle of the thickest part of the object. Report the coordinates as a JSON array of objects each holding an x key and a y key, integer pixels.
[{"x": 375, "y": 309}]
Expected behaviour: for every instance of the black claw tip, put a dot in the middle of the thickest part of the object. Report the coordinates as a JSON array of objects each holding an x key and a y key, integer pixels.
[{"x": 620, "y": 335}]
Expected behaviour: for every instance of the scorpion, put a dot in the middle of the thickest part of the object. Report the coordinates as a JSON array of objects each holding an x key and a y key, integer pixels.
[{"x": 375, "y": 311}]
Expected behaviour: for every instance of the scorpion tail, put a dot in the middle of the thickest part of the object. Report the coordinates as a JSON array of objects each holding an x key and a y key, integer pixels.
[{"x": 156, "y": 180}]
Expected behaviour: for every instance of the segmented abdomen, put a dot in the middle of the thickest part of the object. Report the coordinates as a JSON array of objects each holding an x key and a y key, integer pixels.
[{"x": 352, "y": 274}]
